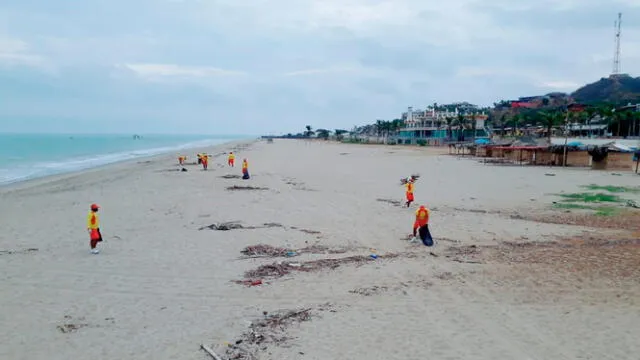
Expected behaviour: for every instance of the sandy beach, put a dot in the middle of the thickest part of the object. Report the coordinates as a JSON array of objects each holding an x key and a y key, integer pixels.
[{"x": 512, "y": 277}]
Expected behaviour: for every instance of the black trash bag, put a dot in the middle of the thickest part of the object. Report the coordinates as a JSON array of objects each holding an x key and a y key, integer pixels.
[
  {"x": 425, "y": 235},
  {"x": 598, "y": 153}
]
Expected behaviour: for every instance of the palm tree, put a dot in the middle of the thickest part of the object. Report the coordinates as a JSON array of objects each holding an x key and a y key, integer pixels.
[
  {"x": 339, "y": 134},
  {"x": 515, "y": 119},
  {"x": 461, "y": 124},
  {"x": 323, "y": 133},
  {"x": 309, "y": 132},
  {"x": 503, "y": 123},
  {"x": 449, "y": 121},
  {"x": 636, "y": 118},
  {"x": 550, "y": 119},
  {"x": 473, "y": 125}
]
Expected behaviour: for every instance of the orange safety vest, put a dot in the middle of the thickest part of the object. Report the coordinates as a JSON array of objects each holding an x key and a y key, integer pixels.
[
  {"x": 422, "y": 216},
  {"x": 409, "y": 187}
]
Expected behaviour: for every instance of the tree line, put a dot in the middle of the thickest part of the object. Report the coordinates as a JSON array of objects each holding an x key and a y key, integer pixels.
[{"x": 620, "y": 123}]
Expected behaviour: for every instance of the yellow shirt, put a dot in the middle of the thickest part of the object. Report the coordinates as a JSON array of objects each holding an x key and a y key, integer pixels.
[
  {"x": 232, "y": 157},
  {"x": 245, "y": 165},
  {"x": 93, "y": 221}
]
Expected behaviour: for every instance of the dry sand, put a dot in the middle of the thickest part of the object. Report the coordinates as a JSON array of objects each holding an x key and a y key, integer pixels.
[{"x": 161, "y": 286}]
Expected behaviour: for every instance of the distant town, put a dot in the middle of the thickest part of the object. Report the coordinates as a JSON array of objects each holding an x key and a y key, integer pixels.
[{"x": 608, "y": 108}]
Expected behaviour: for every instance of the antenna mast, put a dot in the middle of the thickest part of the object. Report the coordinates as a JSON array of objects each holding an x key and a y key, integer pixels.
[{"x": 616, "y": 55}]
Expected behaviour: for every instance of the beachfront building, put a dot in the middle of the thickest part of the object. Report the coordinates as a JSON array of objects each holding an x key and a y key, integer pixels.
[{"x": 437, "y": 124}]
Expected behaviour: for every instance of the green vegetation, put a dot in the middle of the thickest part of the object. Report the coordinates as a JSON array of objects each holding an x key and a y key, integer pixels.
[
  {"x": 598, "y": 210},
  {"x": 608, "y": 211},
  {"x": 613, "y": 189},
  {"x": 421, "y": 142},
  {"x": 621, "y": 89},
  {"x": 591, "y": 198},
  {"x": 600, "y": 203}
]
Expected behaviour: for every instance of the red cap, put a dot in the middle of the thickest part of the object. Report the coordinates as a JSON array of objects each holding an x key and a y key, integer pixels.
[{"x": 95, "y": 207}]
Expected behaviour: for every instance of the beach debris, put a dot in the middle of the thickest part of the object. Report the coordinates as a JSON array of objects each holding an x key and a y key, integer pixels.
[
  {"x": 249, "y": 283},
  {"x": 69, "y": 328},
  {"x": 230, "y": 176},
  {"x": 344, "y": 153},
  {"x": 23, "y": 251},
  {"x": 238, "y": 187},
  {"x": 633, "y": 204},
  {"x": 225, "y": 226},
  {"x": 392, "y": 202},
  {"x": 296, "y": 184},
  {"x": 413, "y": 177},
  {"x": 401, "y": 286},
  {"x": 234, "y": 225},
  {"x": 270, "y": 329},
  {"x": 463, "y": 254},
  {"x": 307, "y": 231},
  {"x": 282, "y": 268},
  {"x": 265, "y": 250},
  {"x": 368, "y": 291},
  {"x": 210, "y": 352}
]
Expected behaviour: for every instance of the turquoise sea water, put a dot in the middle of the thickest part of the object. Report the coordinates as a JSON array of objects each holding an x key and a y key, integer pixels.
[{"x": 29, "y": 156}]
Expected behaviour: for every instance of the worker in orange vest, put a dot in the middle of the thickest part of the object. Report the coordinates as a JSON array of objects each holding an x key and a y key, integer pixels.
[
  {"x": 421, "y": 226},
  {"x": 93, "y": 227},
  {"x": 205, "y": 161},
  {"x": 245, "y": 169},
  {"x": 232, "y": 159},
  {"x": 409, "y": 191}
]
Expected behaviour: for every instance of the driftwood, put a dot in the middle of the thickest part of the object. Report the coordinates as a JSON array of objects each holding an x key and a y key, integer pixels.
[
  {"x": 210, "y": 352},
  {"x": 234, "y": 225},
  {"x": 238, "y": 187}
]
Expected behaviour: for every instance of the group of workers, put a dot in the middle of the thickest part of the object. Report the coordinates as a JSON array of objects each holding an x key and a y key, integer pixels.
[
  {"x": 203, "y": 159},
  {"x": 420, "y": 225},
  {"x": 93, "y": 221}
]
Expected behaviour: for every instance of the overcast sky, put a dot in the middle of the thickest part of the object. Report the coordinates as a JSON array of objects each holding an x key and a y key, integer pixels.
[{"x": 258, "y": 66}]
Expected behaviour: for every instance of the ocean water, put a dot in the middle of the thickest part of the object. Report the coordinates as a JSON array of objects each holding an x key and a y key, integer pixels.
[{"x": 30, "y": 156}]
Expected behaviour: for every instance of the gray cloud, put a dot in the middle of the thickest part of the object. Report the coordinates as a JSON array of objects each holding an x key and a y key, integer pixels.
[{"x": 278, "y": 65}]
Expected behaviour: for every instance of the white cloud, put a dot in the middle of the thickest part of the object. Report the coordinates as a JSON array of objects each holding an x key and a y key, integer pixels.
[
  {"x": 559, "y": 85},
  {"x": 330, "y": 70},
  {"x": 531, "y": 75},
  {"x": 154, "y": 71},
  {"x": 15, "y": 52}
]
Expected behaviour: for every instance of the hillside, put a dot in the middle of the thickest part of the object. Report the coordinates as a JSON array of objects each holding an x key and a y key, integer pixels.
[{"x": 619, "y": 89}]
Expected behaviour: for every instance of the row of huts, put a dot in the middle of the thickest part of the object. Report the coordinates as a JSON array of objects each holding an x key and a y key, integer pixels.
[{"x": 611, "y": 156}]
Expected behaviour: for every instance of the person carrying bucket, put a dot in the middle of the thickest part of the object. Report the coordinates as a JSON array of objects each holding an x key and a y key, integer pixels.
[
  {"x": 93, "y": 227},
  {"x": 409, "y": 191},
  {"x": 421, "y": 227}
]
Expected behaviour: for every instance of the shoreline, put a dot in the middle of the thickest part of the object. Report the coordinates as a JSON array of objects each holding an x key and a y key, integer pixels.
[{"x": 43, "y": 180}]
